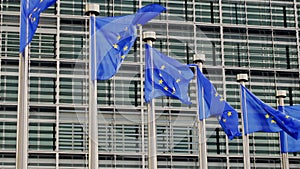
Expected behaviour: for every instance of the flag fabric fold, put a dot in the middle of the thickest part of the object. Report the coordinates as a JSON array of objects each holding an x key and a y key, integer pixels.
[
  {"x": 114, "y": 37},
  {"x": 165, "y": 76},
  {"x": 29, "y": 19},
  {"x": 259, "y": 116},
  {"x": 211, "y": 104},
  {"x": 287, "y": 143}
]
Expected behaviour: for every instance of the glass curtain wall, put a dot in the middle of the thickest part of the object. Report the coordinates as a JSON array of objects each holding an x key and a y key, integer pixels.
[{"x": 259, "y": 38}]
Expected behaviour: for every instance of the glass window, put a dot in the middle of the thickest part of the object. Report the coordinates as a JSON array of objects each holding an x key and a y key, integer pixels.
[
  {"x": 9, "y": 88},
  {"x": 261, "y": 49},
  {"x": 8, "y": 136},
  {"x": 42, "y": 89},
  {"x": 207, "y": 11},
  {"x": 258, "y": 13},
  {"x": 42, "y": 136},
  {"x": 209, "y": 44},
  {"x": 9, "y": 44},
  {"x": 72, "y": 160},
  {"x": 71, "y": 137},
  {"x": 233, "y": 12},
  {"x": 235, "y": 47},
  {"x": 72, "y": 7},
  {"x": 283, "y": 15},
  {"x": 180, "y": 10},
  {"x": 285, "y": 50},
  {"x": 8, "y": 160},
  {"x": 41, "y": 160}
]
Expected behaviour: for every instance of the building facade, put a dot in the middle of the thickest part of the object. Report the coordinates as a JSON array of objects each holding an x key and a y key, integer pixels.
[{"x": 256, "y": 37}]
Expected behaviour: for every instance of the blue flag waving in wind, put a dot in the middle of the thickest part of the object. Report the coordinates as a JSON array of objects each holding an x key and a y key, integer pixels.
[
  {"x": 288, "y": 124},
  {"x": 256, "y": 118},
  {"x": 165, "y": 76},
  {"x": 113, "y": 37},
  {"x": 287, "y": 143},
  {"x": 29, "y": 18},
  {"x": 259, "y": 116},
  {"x": 211, "y": 104}
]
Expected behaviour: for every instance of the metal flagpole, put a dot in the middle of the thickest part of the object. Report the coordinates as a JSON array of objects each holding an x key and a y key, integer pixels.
[
  {"x": 242, "y": 78},
  {"x": 149, "y": 37},
  {"x": 22, "y": 116},
  {"x": 202, "y": 147},
  {"x": 281, "y": 94},
  {"x": 92, "y": 10}
]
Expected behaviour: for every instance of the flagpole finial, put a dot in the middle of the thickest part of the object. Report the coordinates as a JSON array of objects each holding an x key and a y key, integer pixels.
[
  {"x": 242, "y": 77},
  {"x": 92, "y": 9},
  {"x": 199, "y": 58},
  {"x": 280, "y": 93},
  {"x": 149, "y": 35}
]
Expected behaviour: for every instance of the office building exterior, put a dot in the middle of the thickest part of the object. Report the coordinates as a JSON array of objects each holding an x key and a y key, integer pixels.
[{"x": 259, "y": 38}]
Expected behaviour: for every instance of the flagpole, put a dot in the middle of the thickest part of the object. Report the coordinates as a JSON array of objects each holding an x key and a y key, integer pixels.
[
  {"x": 202, "y": 147},
  {"x": 149, "y": 37},
  {"x": 22, "y": 116},
  {"x": 242, "y": 78},
  {"x": 281, "y": 94},
  {"x": 92, "y": 10}
]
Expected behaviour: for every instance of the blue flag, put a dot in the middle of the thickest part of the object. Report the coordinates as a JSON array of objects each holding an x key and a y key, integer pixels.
[
  {"x": 256, "y": 118},
  {"x": 288, "y": 124},
  {"x": 165, "y": 76},
  {"x": 211, "y": 104},
  {"x": 29, "y": 18},
  {"x": 259, "y": 116},
  {"x": 113, "y": 37},
  {"x": 287, "y": 143}
]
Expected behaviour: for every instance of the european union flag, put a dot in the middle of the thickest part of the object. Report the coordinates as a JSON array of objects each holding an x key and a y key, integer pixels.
[
  {"x": 256, "y": 118},
  {"x": 211, "y": 104},
  {"x": 165, "y": 76},
  {"x": 30, "y": 16},
  {"x": 287, "y": 143},
  {"x": 288, "y": 124},
  {"x": 113, "y": 37}
]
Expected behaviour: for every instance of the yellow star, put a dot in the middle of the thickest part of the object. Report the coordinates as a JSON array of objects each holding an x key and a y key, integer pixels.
[
  {"x": 116, "y": 46},
  {"x": 166, "y": 88},
  {"x": 267, "y": 116},
  {"x": 118, "y": 37},
  {"x": 287, "y": 116},
  {"x": 216, "y": 94},
  {"x": 229, "y": 114},
  {"x": 33, "y": 19},
  {"x": 221, "y": 99},
  {"x": 174, "y": 90},
  {"x": 125, "y": 48},
  {"x": 123, "y": 56},
  {"x": 160, "y": 81},
  {"x": 224, "y": 120},
  {"x": 273, "y": 121},
  {"x": 178, "y": 80},
  {"x": 162, "y": 67}
]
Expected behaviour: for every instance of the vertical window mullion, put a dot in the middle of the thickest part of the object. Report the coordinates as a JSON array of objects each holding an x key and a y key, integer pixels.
[
  {"x": 211, "y": 12},
  {"x": 288, "y": 63},
  {"x": 284, "y": 16}
]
